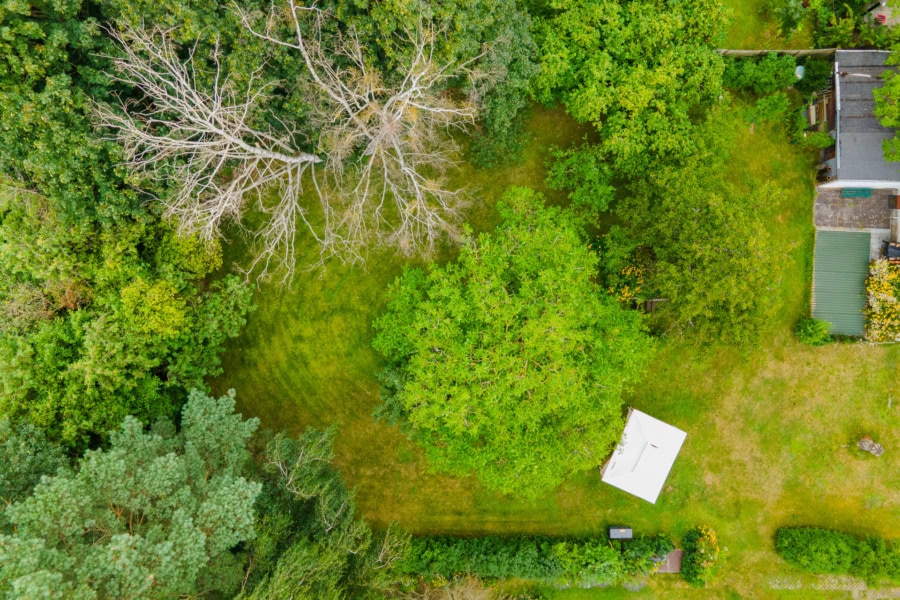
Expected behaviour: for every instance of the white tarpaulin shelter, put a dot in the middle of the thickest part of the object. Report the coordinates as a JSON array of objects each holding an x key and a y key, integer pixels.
[{"x": 642, "y": 460}]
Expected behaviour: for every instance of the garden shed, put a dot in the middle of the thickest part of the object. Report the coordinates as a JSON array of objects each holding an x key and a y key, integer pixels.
[
  {"x": 839, "y": 279},
  {"x": 641, "y": 462}
]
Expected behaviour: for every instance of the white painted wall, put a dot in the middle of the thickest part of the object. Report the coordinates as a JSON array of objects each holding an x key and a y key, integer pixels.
[{"x": 875, "y": 185}]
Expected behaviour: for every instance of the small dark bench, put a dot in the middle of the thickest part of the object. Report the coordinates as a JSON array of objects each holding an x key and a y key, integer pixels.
[{"x": 620, "y": 533}]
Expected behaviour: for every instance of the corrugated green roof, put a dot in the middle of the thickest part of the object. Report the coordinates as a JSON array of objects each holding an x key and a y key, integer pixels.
[{"x": 839, "y": 279}]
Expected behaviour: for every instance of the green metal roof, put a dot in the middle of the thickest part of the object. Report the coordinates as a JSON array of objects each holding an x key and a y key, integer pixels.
[{"x": 839, "y": 279}]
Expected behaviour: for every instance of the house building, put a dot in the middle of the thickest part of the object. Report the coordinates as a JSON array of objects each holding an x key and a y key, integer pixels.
[{"x": 855, "y": 196}]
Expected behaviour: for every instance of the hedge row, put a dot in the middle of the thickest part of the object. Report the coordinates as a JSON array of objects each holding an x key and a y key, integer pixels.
[
  {"x": 576, "y": 562},
  {"x": 826, "y": 551}
]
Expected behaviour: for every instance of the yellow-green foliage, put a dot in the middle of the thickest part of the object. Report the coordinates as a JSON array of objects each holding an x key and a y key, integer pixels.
[
  {"x": 154, "y": 309},
  {"x": 883, "y": 310}
]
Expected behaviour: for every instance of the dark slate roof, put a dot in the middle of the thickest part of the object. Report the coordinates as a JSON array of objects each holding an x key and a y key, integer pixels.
[
  {"x": 839, "y": 278},
  {"x": 860, "y": 134}
]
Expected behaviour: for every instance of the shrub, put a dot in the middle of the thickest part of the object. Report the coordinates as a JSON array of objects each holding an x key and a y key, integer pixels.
[
  {"x": 568, "y": 562},
  {"x": 816, "y": 550},
  {"x": 641, "y": 555},
  {"x": 773, "y": 108},
  {"x": 813, "y": 332},
  {"x": 701, "y": 556},
  {"x": 763, "y": 75},
  {"x": 815, "y": 140},
  {"x": 826, "y": 551},
  {"x": 817, "y": 75}
]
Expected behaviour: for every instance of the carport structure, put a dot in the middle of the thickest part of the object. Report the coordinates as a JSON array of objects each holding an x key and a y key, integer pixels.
[{"x": 839, "y": 279}]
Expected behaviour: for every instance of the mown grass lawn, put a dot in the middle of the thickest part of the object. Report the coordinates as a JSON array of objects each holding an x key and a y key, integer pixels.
[
  {"x": 753, "y": 26},
  {"x": 770, "y": 432}
]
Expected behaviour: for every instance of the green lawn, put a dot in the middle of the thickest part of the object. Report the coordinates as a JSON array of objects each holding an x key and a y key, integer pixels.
[
  {"x": 770, "y": 432},
  {"x": 754, "y": 27}
]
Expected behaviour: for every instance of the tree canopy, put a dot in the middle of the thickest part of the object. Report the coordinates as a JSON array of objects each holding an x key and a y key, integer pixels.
[
  {"x": 703, "y": 244},
  {"x": 511, "y": 361},
  {"x": 311, "y": 542},
  {"x": 156, "y": 515},
  {"x": 638, "y": 71},
  {"x": 105, "y": 320}
]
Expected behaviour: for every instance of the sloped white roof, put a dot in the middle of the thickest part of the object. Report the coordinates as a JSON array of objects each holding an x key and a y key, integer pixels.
[{"x": 642, "y": 460}]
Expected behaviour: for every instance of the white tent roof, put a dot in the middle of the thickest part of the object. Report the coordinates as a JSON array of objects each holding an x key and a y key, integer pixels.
[{"x": 642, "y": 460}]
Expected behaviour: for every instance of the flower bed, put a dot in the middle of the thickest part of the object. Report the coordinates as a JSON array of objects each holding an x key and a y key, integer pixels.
[{"x": 883, "y": 306}]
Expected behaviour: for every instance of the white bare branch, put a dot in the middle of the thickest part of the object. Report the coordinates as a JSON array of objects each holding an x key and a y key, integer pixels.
[{"x": 384, "y": 147}]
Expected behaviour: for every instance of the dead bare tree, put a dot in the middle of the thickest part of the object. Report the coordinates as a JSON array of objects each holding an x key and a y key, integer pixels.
[
  {"x": 201, "y": 144},
  {"x": 384, "y": 143}
]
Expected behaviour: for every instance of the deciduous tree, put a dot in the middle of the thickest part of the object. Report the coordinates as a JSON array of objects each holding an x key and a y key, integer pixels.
[
  {"x": 511, "y": 362},
  {"x": 103, "y": 321},
  {"x": 382, "y": 137},
  {"x": 638, "y": 71}
]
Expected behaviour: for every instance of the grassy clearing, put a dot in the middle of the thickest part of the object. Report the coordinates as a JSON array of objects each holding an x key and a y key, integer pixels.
[
  {"x": 770, "y": 433},
  {"x": 754, "y": 27}
]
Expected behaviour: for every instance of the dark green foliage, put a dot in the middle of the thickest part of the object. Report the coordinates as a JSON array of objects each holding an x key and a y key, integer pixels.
[
  {"x": 488, "y": 557},
  {"x": 310, "y": 543},
  {"x": 640, "y": 555},
  {"x": 817, "y": 75},
  {"x": 575, "y": 562},
  {"x": 511, "y": 362},
  {"x": 827, "y": 551},
  {"x": 813, "y": 332},
  {"x": 157, "y": 515},
  {"x": 763, "y": 75},
  {"x": 50, "y": 68},
  {"x": 586, "y": 173},
  {"x": 490, "y": 150},
  {"x": 25, "y": 456},
  {"x": 104, "y": 312},
  {"x": 702, "y": 556},
  {"x": 817, "y": 550}
]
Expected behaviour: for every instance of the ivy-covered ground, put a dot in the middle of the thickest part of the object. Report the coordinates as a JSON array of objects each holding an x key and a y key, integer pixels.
[{"x": 770, "y": 432}]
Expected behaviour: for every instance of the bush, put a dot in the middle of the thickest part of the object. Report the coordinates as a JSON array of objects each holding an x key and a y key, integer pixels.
[
  {"x": 826, "y": 551},
  {"x": 773, "y": 108},
  {"x": 568, "y": 562},
  {"x": 763, "y": 75},
  {"x": 813, "y": 332},
  {"x": 701, "y": 556},
  {"x": 817, "y": 75},
  {"x": 816, "y": 550}
]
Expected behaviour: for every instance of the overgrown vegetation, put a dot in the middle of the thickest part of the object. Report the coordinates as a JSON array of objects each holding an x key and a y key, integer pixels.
[{"x": 814, "y": 332}]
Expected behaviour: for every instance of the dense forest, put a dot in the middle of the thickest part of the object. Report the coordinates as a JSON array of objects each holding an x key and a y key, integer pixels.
[{"x": 166, "y": 166}]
